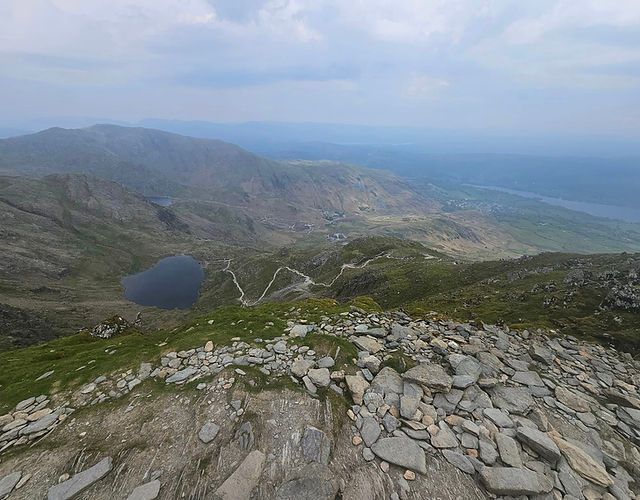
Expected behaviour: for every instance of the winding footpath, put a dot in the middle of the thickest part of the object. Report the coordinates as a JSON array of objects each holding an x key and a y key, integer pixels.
[{"x": 308, "y": 280}]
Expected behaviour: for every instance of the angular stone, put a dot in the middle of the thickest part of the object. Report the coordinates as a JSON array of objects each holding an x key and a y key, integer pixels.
[
  {"x": 509, "y": 450},
  {"x": 37, "y": 415},
  {"x": 8, "y": 482},
  {"x": 445, "y": 438},
  {"x": 498, "y": 417},
  {"x": 40, "y": 425},
  {"x": 25, "y": 403},
  {"x": 531, "y": 379},
  {"x": 368, "y": 344},
  {"x": 357, "y": 386},
  {"x": 466, "y": 366},
  {"x": 463, "y": 381},
  {"x": 430, "y": 375},
  {"x": 326, "y": 362},
  {"x": 542, "y": 354},
  {"x": 370, "y": 431},
  {"x": 208, "y": 432},
  {"x": 488, "y": 453},
  {"x": 147, "y": 491},
  {"x": 372, "y": 363},
  {"x": 379, "y": 333},
  {"x": 581, "y": 462},
  {"x": 81, "y": 481},
  {"x": 401, "y": 451},
  {"x": 539, "y": 442},
  {"x": 300, "y": 330},
  {"x": 181, "y": 375},
  {"x": 458, "y": 460},
  {"x": 515, "y": 400},
  {"x": 244, "y": 479},
  {"x": 300, "y": 367},
  {"x": 570, "y": 399},
  {"x": 408, "y": 406},
  {"x": 320, "y": 376},
  {"x": 512, "y": 481},
  {"x": 387, "y": 381},
  {"x": 316, "y": 446}
]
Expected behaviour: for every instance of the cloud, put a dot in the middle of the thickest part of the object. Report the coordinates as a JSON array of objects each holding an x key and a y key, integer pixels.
[
  {"x": 424, "y": 86},
  {"x": 395, "y": 60}
]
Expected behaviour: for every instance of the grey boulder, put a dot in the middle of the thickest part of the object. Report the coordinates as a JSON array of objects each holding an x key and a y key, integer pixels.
[
  {"x": 401, "y": 451},
  {"x": 208, "y": 432},
  {"x": 539, "y": 442},
  {"x": 514, "y": 481},
  {"x": 430, "y": 375}
]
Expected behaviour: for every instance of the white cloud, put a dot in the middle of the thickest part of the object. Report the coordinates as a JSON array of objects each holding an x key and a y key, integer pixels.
[
  {"x": 424, "y": 87},
  {"x": 412, "y": 21},
  {"x": 410, "y": 54}
]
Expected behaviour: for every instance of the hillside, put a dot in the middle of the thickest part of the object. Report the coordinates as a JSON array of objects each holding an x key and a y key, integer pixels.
[
  {"x": 593, "y": 296},
  {"x": 159, "y": 163},
  {"x": 320, "y": 401},
  {"x": 67, "y": 240}
]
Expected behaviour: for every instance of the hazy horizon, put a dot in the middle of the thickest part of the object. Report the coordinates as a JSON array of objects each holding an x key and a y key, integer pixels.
[{"x": 489, "y": 67}]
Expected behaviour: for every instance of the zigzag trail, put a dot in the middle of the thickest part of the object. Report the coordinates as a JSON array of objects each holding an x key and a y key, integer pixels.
[{"x": 308, "y": 280}]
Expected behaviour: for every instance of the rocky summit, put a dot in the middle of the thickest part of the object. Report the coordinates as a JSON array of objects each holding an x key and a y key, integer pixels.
[{"x": 356, "y": 405}]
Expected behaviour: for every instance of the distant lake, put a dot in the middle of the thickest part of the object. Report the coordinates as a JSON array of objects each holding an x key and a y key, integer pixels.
[
  {"x": 163, "y": 201},
  {"x": 627, "y": 214},
  {"x": 172, "y": 283}
]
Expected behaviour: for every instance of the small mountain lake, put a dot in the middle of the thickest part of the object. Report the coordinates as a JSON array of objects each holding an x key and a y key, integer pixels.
[{"x": 172, "y": 283}]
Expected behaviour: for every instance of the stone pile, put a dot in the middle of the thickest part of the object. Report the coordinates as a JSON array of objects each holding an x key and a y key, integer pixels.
[
  {"x": 526, "y": 413},
  {"x": 30, "y": 420},
  {"x": 484, "y": 399}
]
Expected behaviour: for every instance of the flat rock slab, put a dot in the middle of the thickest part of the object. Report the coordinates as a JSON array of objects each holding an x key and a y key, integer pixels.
[
  {"x": 40, "y": 425},
  {"x": 147, "y": 491},
  {"x": 514, "y": 481},
  {"x": 370, "y": 431},
  {"x": 401, "y": 451},
  {"x": 244, "y": 479},
  {"x": 572, "y": 400},
  {"x": 528, "y": 378},
  {"x": 459, "y": 460},
  {"x": 208, "y": 432},
  {"x": 387, "y": 381},
  {"x": 316, "y": 446},
  {"x": 8, "y": 482},
  {"x": 509, "y": 450},
  {"x": 445, "y": 438},
  {"x": 181, "y": 376},
  {"x": 517, "y": 400},
  {"x": 81, "y": 481},
  {"x": 431, "y": 375},
  {"x": 498, "y": 417},
  {"x": 539, "y": 442},
  {"x": 368, "y": 344},
  {"x": 581, "y": 462}
]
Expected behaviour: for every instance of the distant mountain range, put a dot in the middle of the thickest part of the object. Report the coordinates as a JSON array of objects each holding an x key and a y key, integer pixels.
[
  {"x": 156, "y": 163},
  {"x": 75, "y": 217}
]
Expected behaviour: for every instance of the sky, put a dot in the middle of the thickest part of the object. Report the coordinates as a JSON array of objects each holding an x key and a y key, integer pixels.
[{"x": 518, "y": 66}]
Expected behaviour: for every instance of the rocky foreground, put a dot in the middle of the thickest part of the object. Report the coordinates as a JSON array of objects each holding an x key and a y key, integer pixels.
[{"x": 429, "y": 408}]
